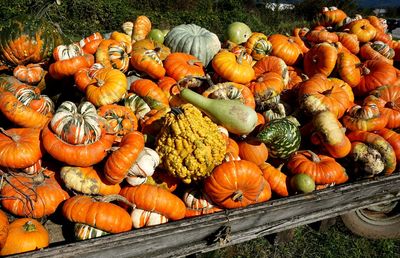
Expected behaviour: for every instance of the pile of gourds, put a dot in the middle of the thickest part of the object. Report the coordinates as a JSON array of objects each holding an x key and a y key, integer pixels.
[{"x": 121, "y": 132}]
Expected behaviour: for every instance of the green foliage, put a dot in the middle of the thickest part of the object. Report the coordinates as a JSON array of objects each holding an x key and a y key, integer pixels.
[
  {"x": 81, "y": 18},
  {"x": 338, "y": 241}
]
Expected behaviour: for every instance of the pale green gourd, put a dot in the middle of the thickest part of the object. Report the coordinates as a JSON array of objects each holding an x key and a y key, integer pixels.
[{"x": 236, "y": 117}]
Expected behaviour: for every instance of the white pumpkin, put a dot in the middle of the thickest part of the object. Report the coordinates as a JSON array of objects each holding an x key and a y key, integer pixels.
[
  {"x": 143, "y": 167},
  {"x": 142, "y": 218}
]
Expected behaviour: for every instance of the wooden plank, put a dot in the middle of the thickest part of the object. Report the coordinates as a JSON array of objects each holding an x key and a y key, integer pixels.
[{"x": 188, "y": 236}]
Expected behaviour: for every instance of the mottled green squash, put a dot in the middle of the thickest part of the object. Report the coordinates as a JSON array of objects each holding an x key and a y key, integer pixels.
[
  {"x": 27, "y": 39},
  {"x": 281, "y": 136}
]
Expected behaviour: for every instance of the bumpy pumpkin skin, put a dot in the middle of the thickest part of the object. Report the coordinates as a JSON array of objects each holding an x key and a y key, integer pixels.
[
  {"x": 194, "y": 40},
  {"x": 27, "y": 40}
]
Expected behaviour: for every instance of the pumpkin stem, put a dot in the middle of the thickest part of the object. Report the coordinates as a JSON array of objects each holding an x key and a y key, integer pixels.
[
  {"x": 13, "y": 137},
  {"x": 191, "y": 81},
  {"x": 29, "y": 227},
  {"x": 314, "y": 157},
  {"x": 237, "y": 195},
  {"x": 114, "y": 197}
]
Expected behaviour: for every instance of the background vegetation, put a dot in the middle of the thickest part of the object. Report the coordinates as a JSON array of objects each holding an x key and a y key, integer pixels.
[
  {"x": 78, "y": 18},
  {"x": 309, "y": 243}
]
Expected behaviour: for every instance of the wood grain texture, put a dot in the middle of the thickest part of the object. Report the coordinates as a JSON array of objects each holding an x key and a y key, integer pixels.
[{"x": 188, "y": 236}]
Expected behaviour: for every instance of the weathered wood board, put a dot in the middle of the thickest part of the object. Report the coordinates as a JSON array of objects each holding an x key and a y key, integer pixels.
[{"x": 188, "y": 236}]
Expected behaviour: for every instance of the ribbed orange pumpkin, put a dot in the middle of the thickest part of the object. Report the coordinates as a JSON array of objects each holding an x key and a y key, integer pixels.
[
  {"x": 321, "y": 58},
  {"x": 34, "y": 197},
  {"x": 99, "y": 213},
  {"x": 319, "y": 93},
  {"x": 276, "y": 179},
  {"x": 118, "y": 163},
  {"x": 235, "y": 184},
  {"x": 232, "y": 68},
  {"x": 108, "y": 86},
  {"x": 153, "y": 198},
  {"x": 19, "y": 147},
  {"x": 285, "y": 48},
  {"x": 323, "y": 169},
  {"x": 25, "y": 234},
  {"x": 253, "y": 150}
]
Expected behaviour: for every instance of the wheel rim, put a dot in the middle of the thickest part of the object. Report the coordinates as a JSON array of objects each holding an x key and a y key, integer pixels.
[{"x": 380, "y": 215}]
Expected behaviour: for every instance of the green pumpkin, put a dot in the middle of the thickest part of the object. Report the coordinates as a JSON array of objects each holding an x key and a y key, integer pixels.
[
  {"x": 194, "y": 40},
  {"x": 27, "y": 40},
  {"x": 281, "y": 136}
]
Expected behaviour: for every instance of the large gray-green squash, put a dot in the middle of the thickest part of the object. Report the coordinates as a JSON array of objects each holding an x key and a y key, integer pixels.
[{"x": 195, "y": 40}]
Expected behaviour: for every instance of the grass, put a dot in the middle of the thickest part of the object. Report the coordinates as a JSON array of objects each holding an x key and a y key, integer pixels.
[{"x": 337, "y": 241}]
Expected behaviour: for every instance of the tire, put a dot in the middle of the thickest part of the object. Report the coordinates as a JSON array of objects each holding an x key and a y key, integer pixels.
[{"x": 375, "y": 222}]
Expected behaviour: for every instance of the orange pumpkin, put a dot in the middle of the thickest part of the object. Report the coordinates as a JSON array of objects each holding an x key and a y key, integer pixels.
[
  {"x": 107, "y": 86},
  {"x": 364, "y": 118},
  {"x": 266, "y": 89},
  {"x": 25, "y": 234},
  {"x": 276, "y": 179},
  {"x": 21, "y": 115},
  {"x": 90, "y": 43},
  {"x": 258, "y": 46},
  {"x": 141, "y": 27},
  {"x": 34, "y": 197},
  {"x": 98, "y": 213},
  {"x": 76, "y": 155},
  {"x": 118, "y": 163},
  {"x": 377, "y": 51},
  {"x": 320, "y": 59},
  {"x": 68, "y": 67},
  {"x": 363, "y": 29},
  {"x": 285, "y": 48},
  {"x": 349, "y": 41},
  {"x": 272, "y": 64},
  {"x": 387, "y": 98},
  {"x": 319, "y": 93},
  {"x": 147, "y": 56},
  {"x": 323, "y": 169},
  {"x": 19, "y": 147},
  {"x": 153, "y": 95},
  {"x": 331, "y": 16},
  {"x": 31, "y": 73},
  {"x": 235, "y": 184},
  {"x": 153, "y": 198},
  {"x": 375, "y": 73},
  {"x": 4, "y": 227},
  {"x": 253, "y": 150},
  {"x": 232, "y": 68},
  {"x": 348, "y": 67},
  {"x": 113, "y": 54},
  {"x": 180, "y": 65},
  {"x": 317, "y": 36},
  {"x": 120, "y": 119}
]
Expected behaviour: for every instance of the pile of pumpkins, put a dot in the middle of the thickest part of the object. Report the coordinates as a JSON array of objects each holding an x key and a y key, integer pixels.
[{"x": 127, "y": 130}]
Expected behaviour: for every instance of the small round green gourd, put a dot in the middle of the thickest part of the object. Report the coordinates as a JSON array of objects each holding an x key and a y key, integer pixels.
[{"x": 236, "y": 117}]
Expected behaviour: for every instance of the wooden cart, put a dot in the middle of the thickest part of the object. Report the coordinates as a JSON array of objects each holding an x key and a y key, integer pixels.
[{"x": 229, "y": 227}]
